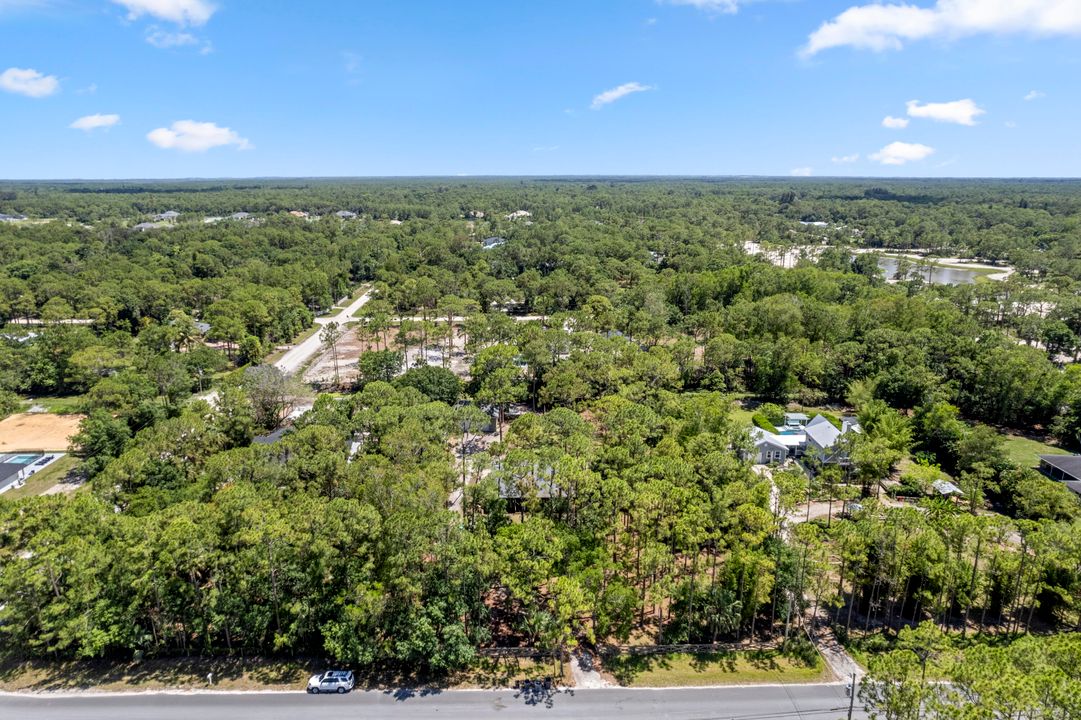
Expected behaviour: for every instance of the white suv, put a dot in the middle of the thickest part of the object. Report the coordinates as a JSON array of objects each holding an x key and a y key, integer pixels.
[{"x": 332, "y": 681}]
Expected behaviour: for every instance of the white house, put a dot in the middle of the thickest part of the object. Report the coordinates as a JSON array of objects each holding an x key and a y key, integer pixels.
[
  {"x": 822, "y": 437},
  {"x": 768, "y": 447},
  {"x": 799, "y": 437}
]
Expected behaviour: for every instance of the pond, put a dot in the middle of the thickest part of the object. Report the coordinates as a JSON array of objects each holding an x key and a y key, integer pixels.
[{"x": 935, "y": 274}]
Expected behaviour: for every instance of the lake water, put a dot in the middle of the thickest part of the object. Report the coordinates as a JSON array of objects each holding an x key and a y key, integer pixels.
[{"x": 938, "y": 275}]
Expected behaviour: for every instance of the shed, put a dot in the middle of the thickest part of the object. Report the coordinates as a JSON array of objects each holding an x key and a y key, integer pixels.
[{"x": 945, "y": 488}]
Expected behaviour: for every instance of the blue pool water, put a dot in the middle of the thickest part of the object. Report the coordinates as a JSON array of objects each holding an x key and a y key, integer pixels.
[{"x": 22, "y": 459}]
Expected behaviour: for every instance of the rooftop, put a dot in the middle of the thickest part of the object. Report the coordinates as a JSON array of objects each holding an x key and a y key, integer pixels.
[{"x": 1069, "y": 464}]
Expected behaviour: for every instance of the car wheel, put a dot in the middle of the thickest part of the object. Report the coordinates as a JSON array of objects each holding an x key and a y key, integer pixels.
[
  {"x": 312, "y": 691},
  {"x": 341, "y": 690}
]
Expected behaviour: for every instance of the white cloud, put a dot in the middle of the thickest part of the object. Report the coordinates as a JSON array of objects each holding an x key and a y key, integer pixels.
[
  {"x": 1034, "y": 95},
  {"x": 894, "y": 123},
  {"x": 31, "y": 83},
  {"x": 164, "y": 39},
  {"x": 724, "y": 6},
  {"x": 801, "y": 172},
  {"x": 882, "y": 27},
  {"x": 181, "y": 12},
  {"x": 961, "y": 112},
  {"x": 88, "y": 90},
  {"x": 843, "y": 159},
  {"x": 191, "y": 136},
  {"x": 899, "y": 153},
  {"x": 92, "y": 122},
  {"x": 610, "y": 96},
  {"x": 1010, "y": 124}
]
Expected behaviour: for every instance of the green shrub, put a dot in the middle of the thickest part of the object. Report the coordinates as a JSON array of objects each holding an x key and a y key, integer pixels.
[{"x": 760, "y": 420}]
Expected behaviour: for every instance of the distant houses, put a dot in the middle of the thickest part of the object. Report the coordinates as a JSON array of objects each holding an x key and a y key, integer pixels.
[
  {"x": 346, "y": 214},
  {"x": 492, "y": 243},
  {"x": 144, "y": 226},
  {"x": 519, "y": 215},
  {"x": 298, "y": 213},
  {"x": 167, "y": 216},
  {"x": 11, "y": 218},
  {"x": 800, "y": 436},
  {"x": 240, "y": 216}
]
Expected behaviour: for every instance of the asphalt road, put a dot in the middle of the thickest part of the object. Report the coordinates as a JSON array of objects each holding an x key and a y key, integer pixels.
[
  {"x": 799, "y": 702},
  {"x": 300, "y": 353}
]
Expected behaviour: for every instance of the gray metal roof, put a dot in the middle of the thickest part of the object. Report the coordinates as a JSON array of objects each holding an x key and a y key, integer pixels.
[
  {"x": 1068, "y": 464},
  {"x": 945, "y": 487},
  {"x": 823, "y": 434},
  {"x": 761, "y": 436}
]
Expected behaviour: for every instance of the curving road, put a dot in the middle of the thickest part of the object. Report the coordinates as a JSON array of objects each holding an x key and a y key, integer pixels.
[
  {"x": 772, "y": 702},
  {"x": 299, "y": 354}
]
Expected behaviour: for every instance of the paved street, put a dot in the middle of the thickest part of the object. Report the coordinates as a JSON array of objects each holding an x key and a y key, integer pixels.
[
  {"x": 800, "y": 702},
  {"x": 302, "y": 351}
]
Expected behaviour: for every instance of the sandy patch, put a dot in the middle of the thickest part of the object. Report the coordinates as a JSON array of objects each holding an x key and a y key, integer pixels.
[
  {"x": 37, "y": 431},
  {"x": 351, "y": 346}
]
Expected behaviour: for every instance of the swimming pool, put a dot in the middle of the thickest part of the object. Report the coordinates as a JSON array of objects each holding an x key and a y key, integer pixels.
[{"x": 21, "y": 459}]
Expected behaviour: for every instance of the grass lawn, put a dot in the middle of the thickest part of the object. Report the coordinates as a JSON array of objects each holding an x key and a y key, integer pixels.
[
  {"x": 1025, "y": 451},
  {"x": 741, "y": 416},
  {"x": 277, "y": 354},
  {"x": 39, "y": 482},
  {"x": 60, "y": 405},
  {"x": 248, "y": 674},
  {"x": 178, "y": 674},
  {"x": 504, "y": 672},
  {"x": 721, "y": 668}
]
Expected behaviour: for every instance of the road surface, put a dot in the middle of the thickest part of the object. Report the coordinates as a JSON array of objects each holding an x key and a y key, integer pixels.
[
  {"x": 799, "y": 702},
  {"x": 293, "y": 360}
]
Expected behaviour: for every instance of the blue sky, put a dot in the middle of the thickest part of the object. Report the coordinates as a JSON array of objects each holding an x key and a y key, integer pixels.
[{"x": 241, "y": 88}]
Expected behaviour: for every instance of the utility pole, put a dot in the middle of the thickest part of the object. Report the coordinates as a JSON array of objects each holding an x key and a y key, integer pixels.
[{"x": 851, "y": 696}]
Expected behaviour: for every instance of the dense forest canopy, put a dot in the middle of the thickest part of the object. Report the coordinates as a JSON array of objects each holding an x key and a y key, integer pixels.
[{"x": 620, "y": 319}]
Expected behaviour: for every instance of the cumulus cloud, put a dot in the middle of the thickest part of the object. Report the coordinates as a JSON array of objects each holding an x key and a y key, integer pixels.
[
  {"x": 1034, "y": 95},
  {"x": 93, "y": 122},
  {"x": 31, "y": 83},
  {"x": 882, "y": 27},
  {"x": 181, "y": 12},
  {"x": 894, "y": 123},
  {"x": 801, "y": 172},
  {"x": 610, "y": 96},
  {"x": 960, "y": 112},
  {"x": 899, "y": 153},
  {"x": 844, "y": 159},
  {"x": 192, "y": 136}
]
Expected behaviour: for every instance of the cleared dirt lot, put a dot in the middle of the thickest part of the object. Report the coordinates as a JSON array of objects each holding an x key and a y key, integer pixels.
[
  {"x": 350, "y": 347},
  {"x": 37, "y": 431}
]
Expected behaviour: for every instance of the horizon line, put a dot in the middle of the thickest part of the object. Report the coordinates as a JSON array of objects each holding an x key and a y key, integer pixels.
[{"x": 556, "y": 176}]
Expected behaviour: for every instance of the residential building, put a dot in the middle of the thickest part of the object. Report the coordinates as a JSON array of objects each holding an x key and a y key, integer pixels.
[{"x": 1064, "y": 468}]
